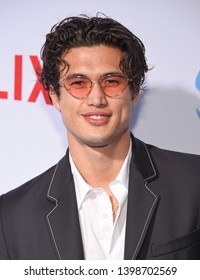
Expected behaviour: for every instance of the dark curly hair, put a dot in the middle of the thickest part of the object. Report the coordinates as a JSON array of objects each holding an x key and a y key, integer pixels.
[{"x": 84, "y": 31}]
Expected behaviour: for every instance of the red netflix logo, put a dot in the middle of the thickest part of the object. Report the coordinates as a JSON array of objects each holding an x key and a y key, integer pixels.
[{"x": 37, "y": 88}]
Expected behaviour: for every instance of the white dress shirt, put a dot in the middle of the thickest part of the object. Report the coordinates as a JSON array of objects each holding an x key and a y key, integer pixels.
[{"x": 102, "y": 239}]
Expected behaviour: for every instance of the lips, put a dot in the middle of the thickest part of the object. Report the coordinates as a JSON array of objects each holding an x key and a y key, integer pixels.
[{"x": 97, "y": 119}]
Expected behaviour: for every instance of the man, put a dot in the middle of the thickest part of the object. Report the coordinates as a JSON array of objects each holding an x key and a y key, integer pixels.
[{"x": 111, "y": 196}]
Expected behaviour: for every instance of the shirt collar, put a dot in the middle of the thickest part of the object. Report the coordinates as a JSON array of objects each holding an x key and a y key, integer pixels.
[
  {"x": 82, "y": 188},
  {"x": 123, "y": 175}
]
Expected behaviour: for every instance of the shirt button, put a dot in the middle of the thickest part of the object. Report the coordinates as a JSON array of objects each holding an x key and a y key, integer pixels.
[{"x": 105, "y": 216}]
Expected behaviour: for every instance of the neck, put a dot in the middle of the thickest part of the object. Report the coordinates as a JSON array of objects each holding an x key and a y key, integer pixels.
[{"x": 99, "y": 166}]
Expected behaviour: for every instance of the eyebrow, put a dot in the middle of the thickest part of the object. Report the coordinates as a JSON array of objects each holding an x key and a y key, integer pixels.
[
  {"x": 80, "y": 75},
  {"x": 76, "y": 75}
]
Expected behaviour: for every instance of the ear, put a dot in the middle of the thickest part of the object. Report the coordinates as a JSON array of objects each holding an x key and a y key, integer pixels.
[{"x": 54, "y": 97}]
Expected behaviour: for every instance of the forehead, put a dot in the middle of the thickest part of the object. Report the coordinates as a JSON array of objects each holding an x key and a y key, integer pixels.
[{"x": 93, "y": 60}]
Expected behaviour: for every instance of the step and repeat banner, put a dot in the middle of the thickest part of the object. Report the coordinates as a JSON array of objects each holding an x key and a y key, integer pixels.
[{"x": 167, "y": 115}]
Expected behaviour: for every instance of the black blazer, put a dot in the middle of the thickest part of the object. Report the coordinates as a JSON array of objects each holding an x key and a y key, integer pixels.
[{"x": 39, "y": 220}]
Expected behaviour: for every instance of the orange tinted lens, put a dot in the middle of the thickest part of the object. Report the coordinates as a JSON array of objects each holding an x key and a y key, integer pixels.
[
  {"x": 78, "y": 87},
  {"x": 114, "y": 85}
]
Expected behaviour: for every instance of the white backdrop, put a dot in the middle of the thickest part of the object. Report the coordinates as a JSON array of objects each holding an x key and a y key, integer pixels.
[{"x": 168, "y": 114}]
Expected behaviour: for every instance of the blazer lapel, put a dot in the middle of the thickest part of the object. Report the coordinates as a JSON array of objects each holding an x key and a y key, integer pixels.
[
  {"x": 63, "y": 220},
  {"x": 141, "y": 200}
]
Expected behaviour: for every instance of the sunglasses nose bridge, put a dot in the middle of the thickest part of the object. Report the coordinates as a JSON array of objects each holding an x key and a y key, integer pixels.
[{"x": 98, "y": 82}]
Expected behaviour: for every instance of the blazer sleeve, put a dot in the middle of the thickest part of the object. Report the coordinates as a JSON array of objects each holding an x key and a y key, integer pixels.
[{"x": 3, "y": 249}]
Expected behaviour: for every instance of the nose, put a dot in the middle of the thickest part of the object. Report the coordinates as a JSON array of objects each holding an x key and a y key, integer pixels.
[{"x": 96, "y": 97}]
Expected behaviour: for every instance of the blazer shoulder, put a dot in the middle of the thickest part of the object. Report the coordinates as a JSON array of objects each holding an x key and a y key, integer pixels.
[
  {"x": 173, "y": 155},
  {"x": 42, "y": 179},
  {"x": 177, "y": 163},
  {"x": 23, "y": 195},
  {"x": 35, "y": 188},
  {"x": 161, "y": 158}
]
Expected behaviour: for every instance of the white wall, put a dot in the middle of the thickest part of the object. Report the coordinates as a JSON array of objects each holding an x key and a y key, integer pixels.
[{"x": 32, "y": 135}]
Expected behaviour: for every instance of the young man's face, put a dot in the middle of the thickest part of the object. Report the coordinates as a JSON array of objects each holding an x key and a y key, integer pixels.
[{"x": 97, "y": 120}]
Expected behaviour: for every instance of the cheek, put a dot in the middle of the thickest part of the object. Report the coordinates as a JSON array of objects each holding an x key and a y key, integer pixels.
[
  {"x": 127, "y": 108},
  {"x": 127, "y": 113},
  {"x": 69, "y": 114},
  {"x": 123, "y": 113}
]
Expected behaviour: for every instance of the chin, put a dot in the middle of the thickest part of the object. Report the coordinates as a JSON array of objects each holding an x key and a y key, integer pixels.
[{"x": 97, "y": 142}]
